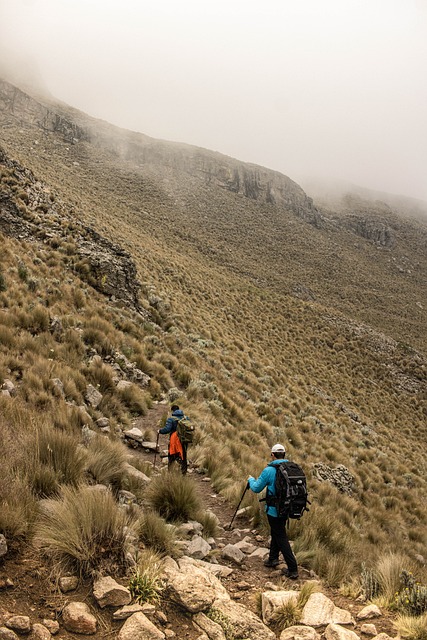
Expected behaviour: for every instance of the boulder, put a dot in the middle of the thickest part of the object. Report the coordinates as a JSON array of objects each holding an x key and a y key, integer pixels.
[
  {"x": 233, "y": 553},
  {"x": 272, "y": 601},
  {"x": 109, "y": 593},
  {"x": 246, "y": 545},
  {"x": 40, "y": 632},
  {"x": 3, "y": 545},
  {"x": 320, "y": 610},
  {"x": 218, "y": 570},
  {"x": 7, "y": 634},
  {"x": 198, "y": 548},
  {"x": 93, "y": 396},
  {"x": 139, "y": 627},
  {"x": 335, "y": 632},
  {"x": 126, "y": 612},
  {"x": 369, "y": 612},
  {"x": 68, "y": 583},
  {"x": 51, "y": 625},
  {"x": 77, "y": 618},
  {"x": 135, "y": 473},
  {"x": 243, "y": 621},
  {"x": 193, "y": 587},
  {"x": 20, "y": 624},
  {"x": 260, "y": 552},
  {"x": 299, "y": 632},
  {"x": 213, "y": 630},
  {"x": 368, "y": 629},
  {"x": 9, "y": 387}
]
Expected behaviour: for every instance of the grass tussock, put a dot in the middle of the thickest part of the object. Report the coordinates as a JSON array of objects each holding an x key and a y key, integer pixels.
[
  {"x": 156, "y": 534},
  {"x": 106, "y": 462},
  {"x": 145, "y": 583},
  {"x": 412, "y": 627},
  {"x": 83, "y": 531},
  {"x": 174, "y": 497}
]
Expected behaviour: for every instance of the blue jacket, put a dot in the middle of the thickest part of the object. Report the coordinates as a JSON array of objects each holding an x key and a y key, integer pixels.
[
  {"x": 170, "y": 425},
  {"x": 266, "y": 479}
]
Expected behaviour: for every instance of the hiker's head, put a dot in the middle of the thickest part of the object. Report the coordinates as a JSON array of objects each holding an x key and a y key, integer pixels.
[
  {"x": 174, "y": 407},
  {"x": 278, "y": 451}
]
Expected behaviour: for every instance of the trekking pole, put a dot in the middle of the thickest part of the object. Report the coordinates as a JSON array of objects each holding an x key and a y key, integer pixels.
[
  {"x": 237, "y": 508},
  {"x": 157, "y": 447}
]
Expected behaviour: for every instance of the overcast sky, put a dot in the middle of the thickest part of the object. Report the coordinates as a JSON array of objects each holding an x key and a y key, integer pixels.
[{"x": 324, "y": 88}]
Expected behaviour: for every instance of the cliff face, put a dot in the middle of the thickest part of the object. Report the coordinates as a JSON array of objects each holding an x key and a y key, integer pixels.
[
  {"x": 213, "y": 169},
  {"x": 30, "y": 212}
]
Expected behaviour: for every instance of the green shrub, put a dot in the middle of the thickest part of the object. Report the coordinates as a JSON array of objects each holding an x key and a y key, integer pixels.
[
  {"x": 174, "y": 497},
  {"x": 412, "y": 596},
  {"x": 145, "y": 583},
  {"x": 84, "y": 530}
]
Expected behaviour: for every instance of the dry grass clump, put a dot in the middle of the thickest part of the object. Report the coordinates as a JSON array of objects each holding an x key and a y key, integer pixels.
[
  {"x": 412, "y": 627},
  {"x": 82, "y": 531},
  {"x": 156, "y": 534},
  {"x": 174, "y": 497},
  {"x": 106, "y": 462}
]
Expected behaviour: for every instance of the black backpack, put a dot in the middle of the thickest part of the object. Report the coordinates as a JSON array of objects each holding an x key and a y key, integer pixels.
[{"x": 291, "y": 497}]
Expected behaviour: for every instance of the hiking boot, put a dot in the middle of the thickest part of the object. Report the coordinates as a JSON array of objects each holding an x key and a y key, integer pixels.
[
  {"x": 271, "y": 563},
  {"x": 292, "y": 575}
]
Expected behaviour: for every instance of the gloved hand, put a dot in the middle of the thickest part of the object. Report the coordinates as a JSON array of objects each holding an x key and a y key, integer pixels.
[{"x": 250, "y": 478}]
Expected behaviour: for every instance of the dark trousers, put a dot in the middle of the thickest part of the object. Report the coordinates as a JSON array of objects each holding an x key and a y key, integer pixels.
[
  {"x": 280, "y": 542},
  {"x": 175, "y": 457}
]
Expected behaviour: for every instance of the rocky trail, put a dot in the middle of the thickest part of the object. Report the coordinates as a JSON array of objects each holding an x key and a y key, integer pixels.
[{"x": 232, "y": 570}]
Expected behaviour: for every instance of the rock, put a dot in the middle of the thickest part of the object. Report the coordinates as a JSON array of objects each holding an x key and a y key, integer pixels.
[
  {"x": 77, "y": 618},
  {"x": 368, "y": 629},
  {"x": 339, "y": 477},
  {"x": 169, "y": 633},
  {"x": 20, "y": 624},
  {"x": 93, "y": 396},
  {"x": 51, "y": 625},
  {"x": 244, "y": 622},
  {"x": 198, "y": 548},
  {"x": 126, "y": 497},
  {"x": 320, "y": 611},
  {"x": 68, "y": 583},
  {"x": 139, "y": 627},
  {"x": 40, "y": 632},
  {"x": 368, "y": 612},
  {"x": 58, "y": 387},
  {"x": 7, "y": 634},
  {"x": 109, "y": 593},
  {"x": 127, "y": 611},
  {"x": 149, "y": 446},
  {"x": 383, "y": 636},
  {"x": 216, "y": 569},
  {"x": 122, "y": 385},
  {"x": 212, "y": 629},
  {"x": 246, "y": 545},
  {"x": 335, "y": 632},
  {"x": 189, "y": 528},
  {"x": 3, "y": 545},
  {"x": 193, "y": 587},
  {"x": 299, "y": 632},
  {"x": 233, "y": 553},
  {"x": 135, "y": 473},
  {"x": 272, "y": 601},
  {"x": 261, "y": 552},
  {"x": 9, "y": 387},
  {"x": 102, "y": 423}
]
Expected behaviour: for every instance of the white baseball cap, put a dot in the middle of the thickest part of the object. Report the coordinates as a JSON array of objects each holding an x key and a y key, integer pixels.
[{"x": 278, "y": 448}]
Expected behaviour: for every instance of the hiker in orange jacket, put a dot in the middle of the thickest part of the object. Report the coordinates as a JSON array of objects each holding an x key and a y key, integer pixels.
[{"x": 177, "y": 451}]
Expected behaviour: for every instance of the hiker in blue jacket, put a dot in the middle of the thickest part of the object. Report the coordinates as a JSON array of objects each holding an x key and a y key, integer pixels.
[
  {"x": 177, "y": 450},
  {"x": 279, "y": 539}
]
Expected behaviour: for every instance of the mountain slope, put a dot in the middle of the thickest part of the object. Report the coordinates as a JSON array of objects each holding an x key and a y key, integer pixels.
[{"x": 274, "y": 320}]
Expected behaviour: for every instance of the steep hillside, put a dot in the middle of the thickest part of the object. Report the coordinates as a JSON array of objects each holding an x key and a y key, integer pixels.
[{"x": 269, "y": 318}]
